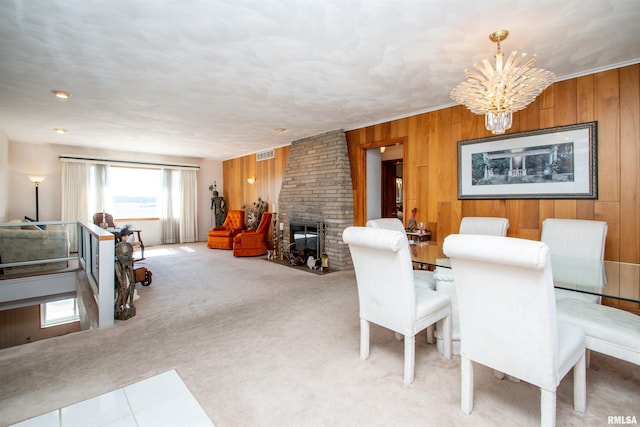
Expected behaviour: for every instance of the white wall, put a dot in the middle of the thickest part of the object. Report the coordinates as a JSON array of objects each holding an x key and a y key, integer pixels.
[
  {"x": 43, "y": 159},
  {"x": 4, "y": 177},
  {"x": 374, "y": 184}
]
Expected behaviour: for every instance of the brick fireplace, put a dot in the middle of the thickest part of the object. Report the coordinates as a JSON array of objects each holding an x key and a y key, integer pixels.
[{"x": 316, "y": 188}]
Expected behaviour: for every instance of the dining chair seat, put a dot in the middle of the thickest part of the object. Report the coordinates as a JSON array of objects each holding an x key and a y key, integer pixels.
[{"x": 608, "y": 330}]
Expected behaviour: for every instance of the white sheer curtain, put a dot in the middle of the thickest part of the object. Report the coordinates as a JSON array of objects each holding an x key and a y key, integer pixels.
[
  {"x": 179, "y": 218},
  {"x": 169, "y": 217},
  {"x": 75, "y": 196},
  {"x": 188, "y": 206},
  {"x": 100, "y": 189}
]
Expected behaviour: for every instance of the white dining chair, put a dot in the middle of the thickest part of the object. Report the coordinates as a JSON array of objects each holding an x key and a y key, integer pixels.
[
  {"x": 486, "y": 225},
  {"x": 387, "y": 293},
  {"x": 422, "y": 277},
  {"x": 575, "y": 238},
  {"x": 508, "y": 319},
  {"x": 443, "y": 277}
]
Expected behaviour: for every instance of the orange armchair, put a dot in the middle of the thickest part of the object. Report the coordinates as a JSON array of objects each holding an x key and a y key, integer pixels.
[
  {"x": 222, "y": 237},
  {"x": 253, "y": 242}
]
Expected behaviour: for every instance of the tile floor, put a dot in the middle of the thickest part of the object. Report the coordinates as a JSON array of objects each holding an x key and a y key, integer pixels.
[{"x": 159, "y": 401}]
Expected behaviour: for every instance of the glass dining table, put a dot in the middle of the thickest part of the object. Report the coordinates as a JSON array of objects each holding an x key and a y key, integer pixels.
[{"x": 617, "y": 283}]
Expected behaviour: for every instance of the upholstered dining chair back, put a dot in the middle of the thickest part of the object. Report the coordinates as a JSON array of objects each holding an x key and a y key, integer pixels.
[
  {"x": 387, "y": 293},
  {"x": 508, "y": 319},
  {"x": 575, "y": 237},
  {"x": 422, "y": 277},
  {"x": 490, "y": 226},
  {"x": 387, "y": 224},
  {"x": 384, "y": 273}
]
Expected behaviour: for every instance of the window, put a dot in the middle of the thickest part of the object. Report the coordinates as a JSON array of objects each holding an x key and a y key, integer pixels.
[
  {"x": 135, "y": 192},
  {"x": 59, "y": 312}
]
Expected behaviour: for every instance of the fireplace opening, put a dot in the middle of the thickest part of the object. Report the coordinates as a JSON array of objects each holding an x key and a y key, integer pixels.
[{"x": 306, "y": 239}]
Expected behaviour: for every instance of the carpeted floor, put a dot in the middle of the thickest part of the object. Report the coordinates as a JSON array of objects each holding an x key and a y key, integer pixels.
[{"x": 260, "y": 344}]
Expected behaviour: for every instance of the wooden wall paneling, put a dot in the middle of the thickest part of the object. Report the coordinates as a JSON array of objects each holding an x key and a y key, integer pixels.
[
  {"x": 585, "y": 209},
  {"x": 565, "y": 208},
  {"x": 422, "y": 186},
  {"x": 445, "y": 155},
  {"x": 565, "y": 97},
  {"x": 370, "y": 134},
  {"x": 523, "y": 219},
  {"x": 233, "y": 186},
  {"x": 445, "y": 227},
  {"x": 585, "y": 99},
  {"x": 529, "y": 117},
  {"x": 416, "y": 156},
  {"x": 399, "y": 128},
  {"x": 452, "y": 144},
  {"x": 250, "y": 193},
  {"x": 547, "y": 98},
  {"x": 384, "y": 131},
  {"x": 545, "y": 210},
  {"x": 630, "y": 163},
  {"x": 610, "y": 212},
  {"x": 358, "y": 173},
  {"x": 608, "y": 113}
]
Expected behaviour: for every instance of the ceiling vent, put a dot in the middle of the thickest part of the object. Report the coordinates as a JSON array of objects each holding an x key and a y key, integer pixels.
[{"x": 265, "y": 155}]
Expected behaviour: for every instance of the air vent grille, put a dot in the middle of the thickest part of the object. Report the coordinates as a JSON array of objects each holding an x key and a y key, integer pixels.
[{"x": 265, "y": 155}]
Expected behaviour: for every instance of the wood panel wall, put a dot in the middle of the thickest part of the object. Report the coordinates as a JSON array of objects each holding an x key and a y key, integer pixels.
[
  {"x": 430, "y": 165},
  {"x": 268, "y": 174}
]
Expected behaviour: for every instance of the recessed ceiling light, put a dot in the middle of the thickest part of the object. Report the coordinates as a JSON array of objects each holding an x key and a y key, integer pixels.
[
  {"x": 280, "y": 130},
  {"x": 60, "y": 130},
  {"x": 61, "y": 94}
]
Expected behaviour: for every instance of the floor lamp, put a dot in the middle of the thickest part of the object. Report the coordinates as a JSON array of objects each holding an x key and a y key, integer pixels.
[{"x": 37, "y": 180}]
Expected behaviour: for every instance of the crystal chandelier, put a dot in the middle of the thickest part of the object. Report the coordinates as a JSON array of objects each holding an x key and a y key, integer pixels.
[{"x": 498, "y": 92}]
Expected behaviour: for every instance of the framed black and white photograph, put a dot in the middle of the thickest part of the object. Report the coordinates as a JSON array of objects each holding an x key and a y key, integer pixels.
[{"x": 553, "y": 163}]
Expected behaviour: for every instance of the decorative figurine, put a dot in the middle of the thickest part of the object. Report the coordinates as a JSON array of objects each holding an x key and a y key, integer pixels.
[
  {"x": 411, "y": 226},
  {"x": 218, "y": 206}
]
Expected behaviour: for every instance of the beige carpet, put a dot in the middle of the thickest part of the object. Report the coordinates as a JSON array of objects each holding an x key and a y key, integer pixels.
[{"x": 260, "y": 344}]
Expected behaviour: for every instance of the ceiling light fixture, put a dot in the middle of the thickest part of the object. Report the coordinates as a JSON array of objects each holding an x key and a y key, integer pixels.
[
  {"x": 280, "y": 130},
  {"x": 251, "y": 180},
  {"x": 61, "y": 94},
  {"x": 499, "y": 92},
  {"x": 60, "y": 130}
]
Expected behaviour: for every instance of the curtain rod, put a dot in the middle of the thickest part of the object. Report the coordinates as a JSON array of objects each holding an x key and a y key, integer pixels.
[{"x": 80, "y": 159}]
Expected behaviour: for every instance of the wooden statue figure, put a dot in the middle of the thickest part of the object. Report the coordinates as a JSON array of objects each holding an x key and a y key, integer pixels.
[{"x": 125, "y": 282}]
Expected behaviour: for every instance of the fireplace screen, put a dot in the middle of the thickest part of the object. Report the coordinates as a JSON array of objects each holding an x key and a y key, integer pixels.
[{"x": 306, "y": 238}]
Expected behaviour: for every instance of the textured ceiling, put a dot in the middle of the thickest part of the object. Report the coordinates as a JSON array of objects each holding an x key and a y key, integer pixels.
[{"x": 213, "y": 78}]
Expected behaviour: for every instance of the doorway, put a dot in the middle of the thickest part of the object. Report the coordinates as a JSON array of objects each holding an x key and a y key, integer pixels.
[
  {"x": 384, "y": 179},
  {"x": 391, "y": 191},
  {"x": 392, "y": 175}
]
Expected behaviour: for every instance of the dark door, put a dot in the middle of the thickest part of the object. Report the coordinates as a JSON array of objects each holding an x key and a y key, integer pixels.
[{"x": 389, "y": 207}]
